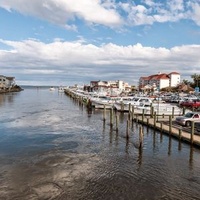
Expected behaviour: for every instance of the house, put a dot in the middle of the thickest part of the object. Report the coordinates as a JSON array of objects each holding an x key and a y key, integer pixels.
[
  {"x": 110, "y": 87},
  {"x": 6, "y": 82},
  {"x": 159, "y": 81}
]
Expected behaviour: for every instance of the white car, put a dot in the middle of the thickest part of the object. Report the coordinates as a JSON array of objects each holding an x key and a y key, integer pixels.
[{"x": 186, "y": 119}]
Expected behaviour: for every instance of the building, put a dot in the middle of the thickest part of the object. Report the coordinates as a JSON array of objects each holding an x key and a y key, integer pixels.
[
  {"x": 6, "y": 82},
  {"x": 110, "y": 87},
  {"x": 159, "y": 81}
]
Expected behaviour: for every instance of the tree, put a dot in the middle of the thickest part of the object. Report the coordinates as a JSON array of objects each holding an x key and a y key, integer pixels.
[
  {"x": 196, "y": 79},
  {"x": 186, "y": 82}
]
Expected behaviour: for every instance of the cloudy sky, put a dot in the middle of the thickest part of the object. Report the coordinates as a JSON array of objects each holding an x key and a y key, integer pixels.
[{"x": 63, "y": 42}]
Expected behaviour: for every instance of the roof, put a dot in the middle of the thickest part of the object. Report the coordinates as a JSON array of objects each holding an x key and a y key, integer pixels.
[
  {"x": 185, "y": 87},
  {"x": 156, "y": 77},
  {"x": 10, "y": 78},
  {"x": 174, "y": 73}
]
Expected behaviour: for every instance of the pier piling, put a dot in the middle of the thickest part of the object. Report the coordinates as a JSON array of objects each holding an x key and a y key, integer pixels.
[
  {"x": 104, "y": 113},
  {"x": 140, "y": 136},
  {"x": 127, "y": 129}
]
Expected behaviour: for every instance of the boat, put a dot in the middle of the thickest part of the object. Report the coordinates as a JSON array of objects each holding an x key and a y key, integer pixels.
[
  {"x": 104, "y": 102},
  {"x": 51, "y": 88},
  {"x": 126, "y": 102},
  {"x": 159, "y": 108},
  {"x": 61, "y": 89}
]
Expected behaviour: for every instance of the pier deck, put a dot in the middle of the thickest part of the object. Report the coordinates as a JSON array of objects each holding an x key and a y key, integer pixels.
[{"x": 189, "y": 135}]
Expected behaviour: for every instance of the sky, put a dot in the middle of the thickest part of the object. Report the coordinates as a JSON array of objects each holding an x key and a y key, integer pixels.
[{"x": 67, "y": 42}]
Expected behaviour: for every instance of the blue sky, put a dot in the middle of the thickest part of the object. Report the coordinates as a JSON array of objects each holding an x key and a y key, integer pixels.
[{"x": 64, "y": 42}]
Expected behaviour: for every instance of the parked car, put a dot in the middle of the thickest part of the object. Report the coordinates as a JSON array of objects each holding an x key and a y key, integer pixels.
[
  {"x": 191, "y": 104},
  {"x": 186, "y": 119}
]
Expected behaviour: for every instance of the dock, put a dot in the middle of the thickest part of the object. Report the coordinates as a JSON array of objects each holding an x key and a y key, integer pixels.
[
  {"x": 168, "y": 126},
  {"x": 162, "y": 123}
]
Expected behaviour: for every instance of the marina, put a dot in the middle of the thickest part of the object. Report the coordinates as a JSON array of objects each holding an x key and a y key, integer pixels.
[
  {"x": 152, "y": 116},
  {"x": 54, "y": 147},
  {"x": 100, "y": 100}
]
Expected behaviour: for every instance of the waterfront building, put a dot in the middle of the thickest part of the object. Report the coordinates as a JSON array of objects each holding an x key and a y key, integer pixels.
[
  {"x": 6, "y": 82},
  {"x": 159, "y": 81},
  {"x": 110, "y": 87}
]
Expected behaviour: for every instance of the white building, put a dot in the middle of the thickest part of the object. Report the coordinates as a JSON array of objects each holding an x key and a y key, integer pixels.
[
  {"x": 160, "y": 80},
  {"x": 6, "y": 82},
  {"x": 174, "y": 78},
  {"x": 110, "y": 86}
]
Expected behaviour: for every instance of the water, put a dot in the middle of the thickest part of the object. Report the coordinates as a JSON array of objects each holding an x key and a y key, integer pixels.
[{"x": 53, "y": 148}]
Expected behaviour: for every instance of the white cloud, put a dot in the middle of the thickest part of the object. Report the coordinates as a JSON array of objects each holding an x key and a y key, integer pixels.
[
  {"x": 175, "y": 5},
  {"x": 139, "y": 15},
  {"x": 106, "y": 12},
  {"x": 62, "y": 11},
  {"x": 76, "y": 60},
  {"x": 196, "y": 13},
  {"x": 149, "y": 2},
  {"x": 167, "y": 11}
]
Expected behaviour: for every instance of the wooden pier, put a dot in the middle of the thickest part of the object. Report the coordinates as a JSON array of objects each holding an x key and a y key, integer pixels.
[{"x": 164, "y": 124}]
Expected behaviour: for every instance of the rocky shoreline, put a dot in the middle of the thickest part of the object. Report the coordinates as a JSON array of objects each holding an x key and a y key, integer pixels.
[{"x": 15, "y": 88}]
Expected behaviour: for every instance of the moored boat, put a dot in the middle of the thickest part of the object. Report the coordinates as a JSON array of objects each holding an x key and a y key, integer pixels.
[
  {"x": 126, "y": 102},
  {"x": 104, "y": 102},
  {"x": 52, "y": 88},
  {"x": 159, "y": 108},
  {"x": 60, "y": 89}
]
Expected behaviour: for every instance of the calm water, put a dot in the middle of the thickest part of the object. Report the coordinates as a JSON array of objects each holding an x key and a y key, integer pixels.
[{"x": 53, "y": 148}]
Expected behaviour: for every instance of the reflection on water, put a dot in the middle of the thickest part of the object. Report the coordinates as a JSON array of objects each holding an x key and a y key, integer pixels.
[{"x": 52, "y": 147}]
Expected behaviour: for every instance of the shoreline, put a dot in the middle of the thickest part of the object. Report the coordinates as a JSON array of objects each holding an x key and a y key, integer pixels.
[{"x": 16, "y": 88}]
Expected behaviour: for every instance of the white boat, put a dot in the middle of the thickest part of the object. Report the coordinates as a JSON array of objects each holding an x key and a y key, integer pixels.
[
  {"x": 52, "y": 88},
  {"x": 101, "y": 102},
  {"x": 61, "y": 89},
  {"x": 125, "y": 102},
  {"x": 159, "y": 108}
]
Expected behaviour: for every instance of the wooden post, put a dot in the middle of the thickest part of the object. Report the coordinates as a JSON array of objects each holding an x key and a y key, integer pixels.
[
  {"x": 142, "y": 115},
  {"x": 140, "y": 136},
  {"x": 170, "y": 124},
  {"x": 127, "y": 129},
  {"x": 147, "y": 121},
  {"x": 122, "y": 106},
  {"x": 111, "y": 117},
  {"x": 104, "y": 113},
  {"x": 129, "y": 107},
  {"x": 183, "y": 110},
  {"x": 132, "y": 113},
  {"x": 152, "y": 110},
  {"x": 117, "y": 122},
  {"x": 192, "y": 133},
  {"x": 130, "y": 116},
  {"x": 180, "y": 133},
  {"x": 154, "y": 118},
  {"x": 129, "y": 111},
  {"x": 136, "y": 118},
  {"x": 161, "y": 126},
  {"x": 172, "y": 112}
]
